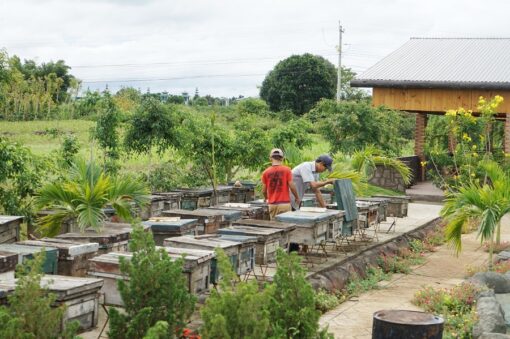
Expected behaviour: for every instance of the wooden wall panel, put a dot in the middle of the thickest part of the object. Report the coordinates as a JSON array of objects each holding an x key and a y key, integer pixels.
[{"x": 434, "y": 100}]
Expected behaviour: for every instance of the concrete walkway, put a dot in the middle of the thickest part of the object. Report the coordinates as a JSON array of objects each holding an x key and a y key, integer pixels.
[
  {"x": 425, "y": 191},
  {"x": 353, "y": 319}
]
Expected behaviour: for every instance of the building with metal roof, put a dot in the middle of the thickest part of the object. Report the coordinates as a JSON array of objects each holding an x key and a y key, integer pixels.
[{"x": 433, "y": 75}]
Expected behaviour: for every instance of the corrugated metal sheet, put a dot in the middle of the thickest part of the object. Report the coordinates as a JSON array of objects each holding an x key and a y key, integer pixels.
[{"x": 468, "y": 62}]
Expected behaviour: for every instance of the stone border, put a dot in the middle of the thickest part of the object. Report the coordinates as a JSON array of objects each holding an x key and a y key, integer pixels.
[{"x": 336, "y": 276}]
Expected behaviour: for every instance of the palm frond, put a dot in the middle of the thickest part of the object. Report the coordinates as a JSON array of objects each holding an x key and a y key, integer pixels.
[
  {"x": 358, "y": 181},
  {"x": 50, "y": 225},
  {"x": 366, "y": 160}
]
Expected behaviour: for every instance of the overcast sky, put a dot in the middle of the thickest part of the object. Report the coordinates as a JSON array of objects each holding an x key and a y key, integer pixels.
[{"x": 225, "y": 48}]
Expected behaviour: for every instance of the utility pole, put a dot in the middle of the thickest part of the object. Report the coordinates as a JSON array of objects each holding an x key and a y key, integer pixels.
[{"x": 339, "y": 80}]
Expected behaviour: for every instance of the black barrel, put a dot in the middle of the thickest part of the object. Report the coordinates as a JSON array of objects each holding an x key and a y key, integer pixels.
[{"x": 403, "y": 324}]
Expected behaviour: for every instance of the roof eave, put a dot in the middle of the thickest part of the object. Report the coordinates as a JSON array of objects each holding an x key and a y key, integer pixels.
[{"x": 430, "y": 84}]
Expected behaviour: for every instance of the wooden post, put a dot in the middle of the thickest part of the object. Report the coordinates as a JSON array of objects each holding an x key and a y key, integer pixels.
[
  {"x": 452, "y": 142},
  {"x": 506, "y": 145},
  {"x": 419, "y": 138}
]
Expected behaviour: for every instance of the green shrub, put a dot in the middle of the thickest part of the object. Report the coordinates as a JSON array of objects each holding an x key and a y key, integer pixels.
[
  {"x": 156, "y": 291},
  {"x": 455, "y": 305},
  {"x": 325, "y": 301},
  {"x": 30, "y": 313}
]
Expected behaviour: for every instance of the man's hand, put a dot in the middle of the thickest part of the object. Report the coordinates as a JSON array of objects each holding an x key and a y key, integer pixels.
[
  {"x": 330, "y": 181},
  {"x": 298, "y": 202}
]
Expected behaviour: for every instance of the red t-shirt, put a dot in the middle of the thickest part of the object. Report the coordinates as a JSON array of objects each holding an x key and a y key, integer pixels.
[{"x": 277, "y": 178}]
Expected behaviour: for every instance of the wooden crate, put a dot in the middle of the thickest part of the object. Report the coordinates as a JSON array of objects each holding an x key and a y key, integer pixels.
[
  {"x": 167, "y": 227},
  {"x": 197, "y": 271},
  {"x": 154, "y": 208},
  {"x": 229, "y": 215},
  {"x": 208, "y": 221},
  {"x": 397, "y": 205},
  {"x": 311, "y": 227},
  {"x": 243, "y": 193},
  {"x": 209, "y": 243},
  {"x": 382, "y": 203},
  {"x": 79, "y": 295},
  {"x": 9, "y": 228},
  {"x": 286, "y": 227},
  {"x": 268, "y": 240},
  {"x": 72, "y": 256},
  {"x": 25, "y": 252},
  {"x": 265, "y": 208},
  {"x": 248, "y": 211},
  {"x": 111, "y": 237},
  {"x": 8, "y": 262}
]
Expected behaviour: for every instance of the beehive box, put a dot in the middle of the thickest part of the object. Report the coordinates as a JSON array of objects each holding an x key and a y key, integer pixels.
[
  {"x": 369, "y": 210},
  {"x": 72, "y": 256},
  {"x": 246, "y": 252},
  {"x": 286, "y": 227},
  {"x": 111, "y": 237},
  {"x": 191, "y": 199},
  {"x": 209, "y": 243},
  {"x": 313, "y": 228},
  {"x": 25, "y": 252},
  {"x": 197, "y": 271},
  {"x": 309, "y": 200},
  {"x": 8, "y": 262},
  {"x": 9, "y": 228},
  {"x": 172, "y": 200},
  {"x": 154, "y": 208},
  {"x": 248, "y": 211},
  {"x": 209, "y": 221},
  {"x": 262, "y": 204},
  {"x": 79, "y": 295},
  {"x": 382, "y": 203},
  {"x": 268, "y": 240},
  {"x": 245, "y": 192},
  {"x": 397, "y": 205},
  {"x": 229, "y": 215},
  {"x": 167, "y": 227}
]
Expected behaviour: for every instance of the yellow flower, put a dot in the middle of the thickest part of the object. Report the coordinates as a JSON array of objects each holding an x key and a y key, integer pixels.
[
  {"x": 498, "y": 98},
  {"x": 451, "y": 112},
  {"x": 466, "y": 137},
  {"x": 423, "y": 163},
  {"x": 473, "y": 147},
  {"x": 475, "y": 155},
  {"x": 472, "y": 175},
  {"x": 481, "y": 102}
]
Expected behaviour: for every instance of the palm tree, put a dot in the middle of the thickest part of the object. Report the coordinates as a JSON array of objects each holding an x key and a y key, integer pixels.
[
  {"x": 485, "y": 203},
  {"x": 83, "y": 195}
]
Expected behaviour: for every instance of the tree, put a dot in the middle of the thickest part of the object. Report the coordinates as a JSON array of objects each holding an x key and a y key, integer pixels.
[
  {"x": 350, "y": 126},
  {"x": 155, "y": 294},
  {"x": 252, "y": 106},
  {"x": 153, "y": 125},
  {"x": 69, "y": 149},
  {"x": 30, "y": 314},
  {"x": 485, "y": 203},
  {"x": 20, "y": 177},
  {"x": 106, "y": 131},
  {"x": 84, "y": 194},
  {"x": 298, "y": 82}
]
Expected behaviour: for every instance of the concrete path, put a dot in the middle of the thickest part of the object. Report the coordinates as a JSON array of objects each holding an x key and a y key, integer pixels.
[
  {"x": 353, "y": 319},
  {"x": 425, "y": 191}
]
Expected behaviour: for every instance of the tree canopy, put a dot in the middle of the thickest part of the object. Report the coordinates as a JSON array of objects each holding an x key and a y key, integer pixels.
[{"x": 298, "y": 82}]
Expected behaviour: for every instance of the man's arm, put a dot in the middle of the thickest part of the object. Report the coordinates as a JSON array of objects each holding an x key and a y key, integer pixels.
[
  {"x": 264, "y": 191},
  {"x": 294, "y": 191},
  {"x": 316, "y": 185}
]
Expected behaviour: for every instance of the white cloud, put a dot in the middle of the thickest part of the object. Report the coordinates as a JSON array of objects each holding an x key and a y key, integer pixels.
[{"x": 241, "y": 40}]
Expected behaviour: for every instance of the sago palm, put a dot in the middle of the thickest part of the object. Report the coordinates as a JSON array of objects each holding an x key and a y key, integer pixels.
[
  {"x": 484, "y": 203},
  {"x": 83, "y": 195}
]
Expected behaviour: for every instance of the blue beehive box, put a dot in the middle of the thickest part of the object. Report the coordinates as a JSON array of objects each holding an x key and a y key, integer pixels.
[{"x": 25, "y": 252}]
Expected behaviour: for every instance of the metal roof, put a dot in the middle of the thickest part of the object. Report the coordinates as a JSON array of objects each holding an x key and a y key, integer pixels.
[{"x": 468, "y": 63}]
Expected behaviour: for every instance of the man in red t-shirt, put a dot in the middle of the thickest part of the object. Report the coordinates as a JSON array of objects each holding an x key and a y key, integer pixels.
[{"x": 276, "y": 182}]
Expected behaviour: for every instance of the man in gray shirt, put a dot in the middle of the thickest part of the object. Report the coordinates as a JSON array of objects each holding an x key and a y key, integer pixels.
[{"x": 307, "y": 175}]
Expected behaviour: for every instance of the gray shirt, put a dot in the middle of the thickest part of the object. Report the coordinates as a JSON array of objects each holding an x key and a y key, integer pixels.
[{"x": 302, "y": 175}]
